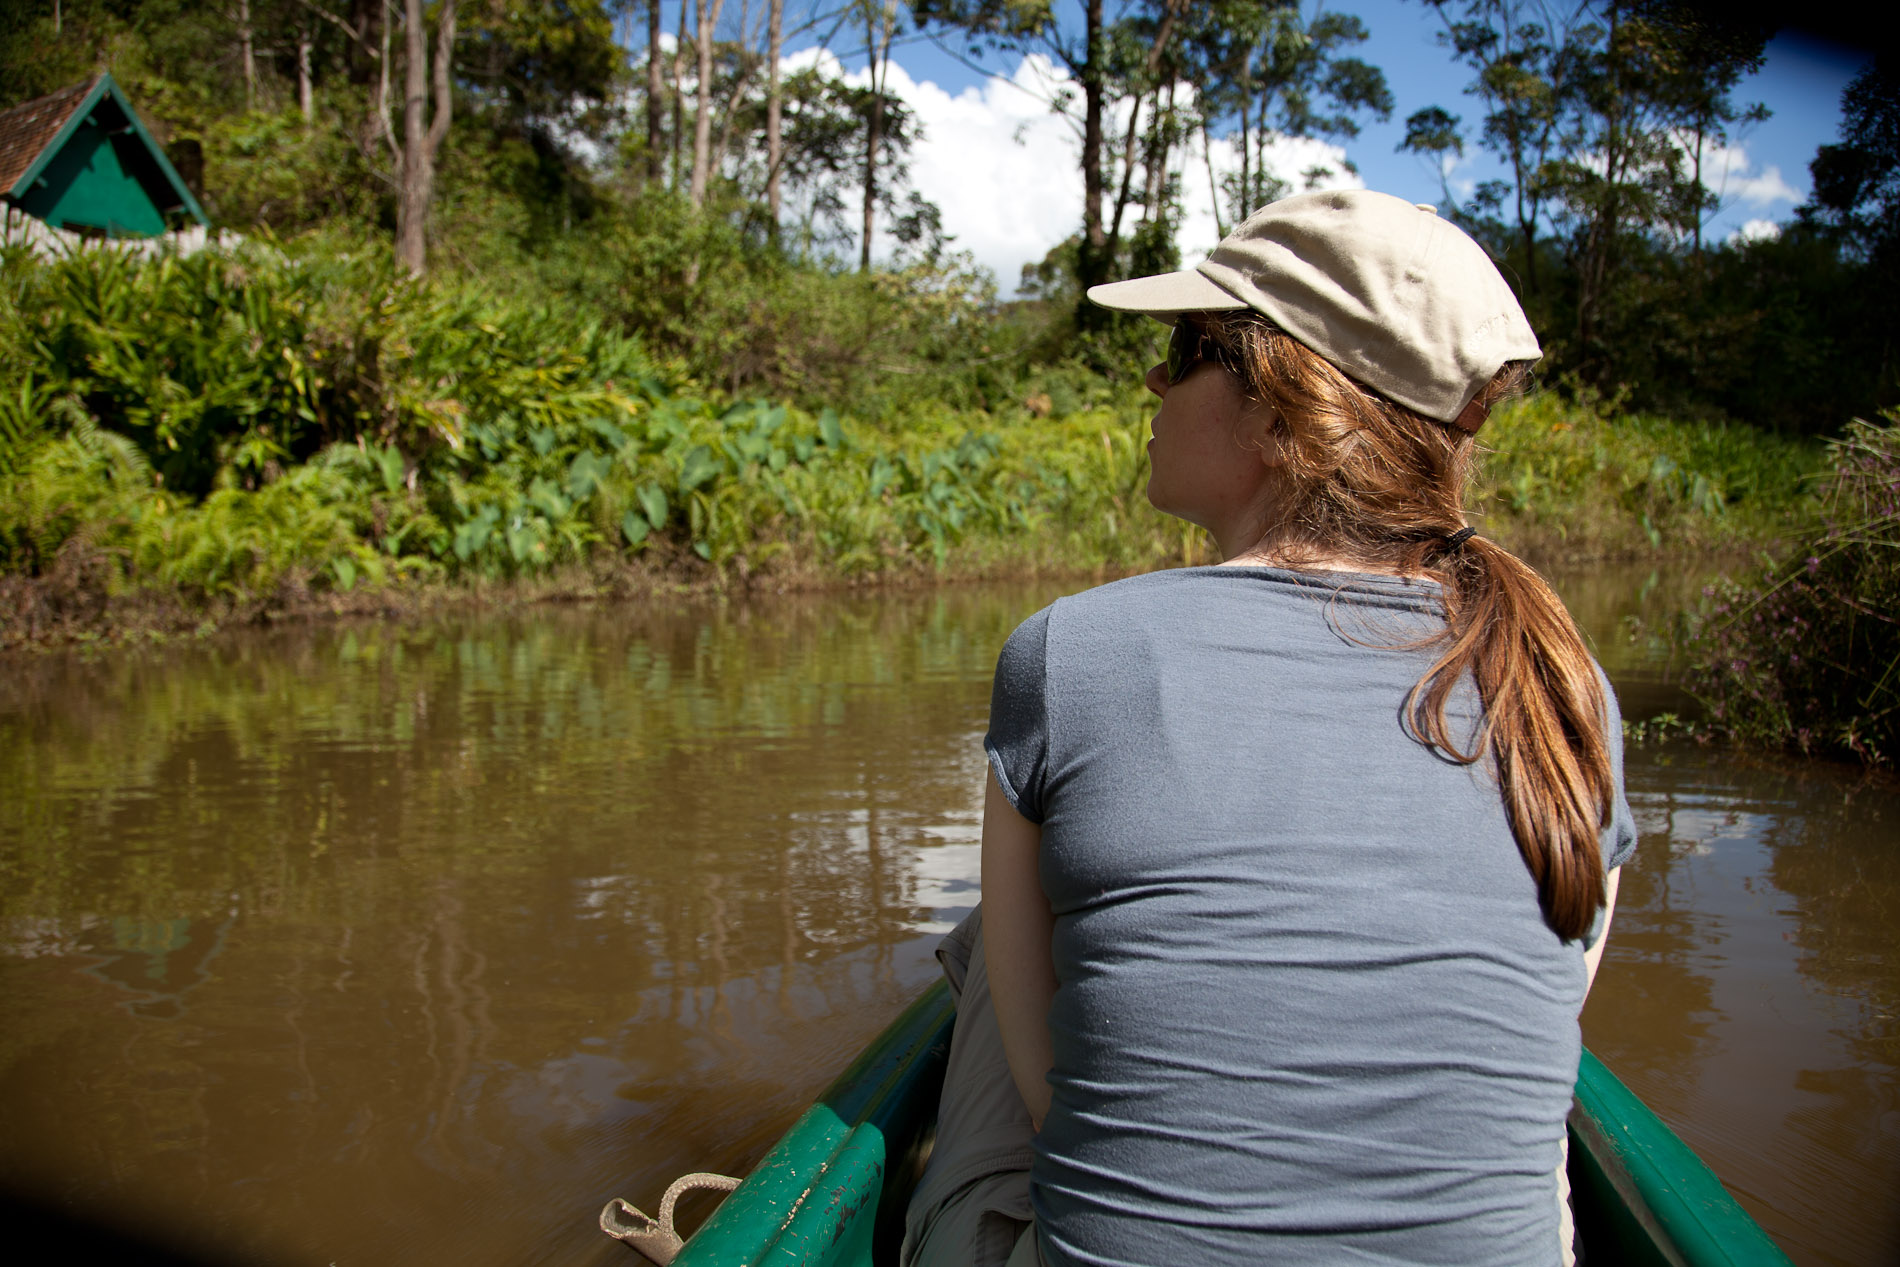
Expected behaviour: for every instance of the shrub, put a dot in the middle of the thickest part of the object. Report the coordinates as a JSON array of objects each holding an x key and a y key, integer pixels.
[{"x": 1807, "y": 654}]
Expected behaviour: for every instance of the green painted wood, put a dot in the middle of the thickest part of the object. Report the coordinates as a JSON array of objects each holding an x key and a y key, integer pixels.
[
  {"x": 1647, "y": 1194},
  {"x": 819, "y": 1196},
  {"x": 88, "y": 186},
  {"x": 104, "y": 173},
  {"x": 835, "y": 1225},
  {"x": 832, "y": 1192}
]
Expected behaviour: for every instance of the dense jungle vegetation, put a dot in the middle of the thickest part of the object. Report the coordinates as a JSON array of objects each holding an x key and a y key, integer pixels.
[{"x": 590, "y": 297}]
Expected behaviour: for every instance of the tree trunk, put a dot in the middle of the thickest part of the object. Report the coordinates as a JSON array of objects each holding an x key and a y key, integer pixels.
[
  {"x": 1128, "y": 173},
  {"x": 774, "y": 114},
  {"x": 1207, "y": 153},
  {"x": 1600, "y": 239},
  {"x": 421, "y": 136},
  {"x": 306, "y": 95},
  {"x": 1700, "y": 126},
  {"x": 722, "y": 149},
  {"x": 679, "y": 94},
  {"x": 1156, "y": 147},
  {"x": 1246, "y": 153},
  {"x": 1093, "y": 259},
  {"x": 247, "y": 50},
  {"x": 1161, "y": 137},
  {"x": 656, "y": 94},
  {"x": 378, "y": 123},
  {"x": 702, "y": 118},
  {"x": 874, "y": 128}
]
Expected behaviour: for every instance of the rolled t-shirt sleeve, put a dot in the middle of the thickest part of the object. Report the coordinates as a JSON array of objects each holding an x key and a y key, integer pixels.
[
  {"x": 1018, "y": 739},
  {"x": 1618, "y": 840}
]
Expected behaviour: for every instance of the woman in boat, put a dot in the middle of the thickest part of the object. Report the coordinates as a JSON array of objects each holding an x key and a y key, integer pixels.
[{"x": 1295, "y": 868}]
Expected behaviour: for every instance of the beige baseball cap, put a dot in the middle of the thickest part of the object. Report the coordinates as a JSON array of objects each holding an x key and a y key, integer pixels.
[{"x": 1399, "y": 299}]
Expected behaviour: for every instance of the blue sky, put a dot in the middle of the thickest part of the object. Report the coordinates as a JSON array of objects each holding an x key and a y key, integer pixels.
[{"x": 994, "y": 158}]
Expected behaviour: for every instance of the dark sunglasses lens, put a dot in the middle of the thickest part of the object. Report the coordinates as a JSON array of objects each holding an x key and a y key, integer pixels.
[{"x": 1184, "y": 348}]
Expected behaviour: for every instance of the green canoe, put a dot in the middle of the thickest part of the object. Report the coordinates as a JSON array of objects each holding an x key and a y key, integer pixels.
[{"x": 832, "y": 1192}]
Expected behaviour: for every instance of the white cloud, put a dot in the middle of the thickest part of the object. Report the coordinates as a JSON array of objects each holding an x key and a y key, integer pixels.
[
  {"x": 1756, "y": 231},
  {"x": 1005, "y": 170},
  {"x": 1000, "y": 165},
  {"x": 1728, "y": 173}
]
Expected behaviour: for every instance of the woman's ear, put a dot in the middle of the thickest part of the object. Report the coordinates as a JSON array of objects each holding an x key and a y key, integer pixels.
[{"x": 1263, "y": 432}]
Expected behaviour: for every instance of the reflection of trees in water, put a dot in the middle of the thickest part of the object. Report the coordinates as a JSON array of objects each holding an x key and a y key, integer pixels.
[
  {"x": 1651, "y": 1010},
  {"x": 597, "y": 893},
  {"x": 156, "y": 962},
  {"x": 1837, "y": 858},
  {"x": 266, "y": 764}
]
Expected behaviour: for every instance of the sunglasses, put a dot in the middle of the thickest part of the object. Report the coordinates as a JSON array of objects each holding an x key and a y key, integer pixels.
[{"x": 1187, "y": 347}]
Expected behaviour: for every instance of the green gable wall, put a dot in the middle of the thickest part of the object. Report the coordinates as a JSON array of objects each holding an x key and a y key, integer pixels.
[
  {"x": 88, "y": 186},
  {"x": 106, "y": 176}
]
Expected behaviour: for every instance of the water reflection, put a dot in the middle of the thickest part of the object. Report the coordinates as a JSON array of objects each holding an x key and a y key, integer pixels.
[
  {"x": 1749, "y": 991},
  {"x": 373, "y": 944}
]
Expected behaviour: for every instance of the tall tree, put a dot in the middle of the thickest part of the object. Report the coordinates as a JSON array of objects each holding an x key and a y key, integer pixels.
[
  {"x": 707, "y": 15},
  {"x": 1025, "y": 26},
  {"x": 774, "y": 112},
  {"x": 306, "y": 36},
  {"x": 247, "y": 52},
  {"x": 1281, "y": 73},
  {"x": 679, "y": 94},
  {"x": 1519, "y": 51},
  {"x": 880, "y": 25},
  {"x": 656, "y": 94},
  {"x": 422, "y": 134},
  {"x": 1644, "y": 72},
  {"x": 1857, "y": 197}
]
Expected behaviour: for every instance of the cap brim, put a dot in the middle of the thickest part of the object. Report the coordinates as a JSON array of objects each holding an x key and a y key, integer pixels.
[{"x": 1165, "y": 296}]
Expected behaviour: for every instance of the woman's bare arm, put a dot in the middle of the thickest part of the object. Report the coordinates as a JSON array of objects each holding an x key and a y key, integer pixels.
[
  {"x": 1017, "y": 925},
  {"x": 1594, "y": 956}
]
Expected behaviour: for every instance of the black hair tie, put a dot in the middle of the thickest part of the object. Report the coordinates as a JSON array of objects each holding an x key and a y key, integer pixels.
[{"x": 1458, "y": 538}]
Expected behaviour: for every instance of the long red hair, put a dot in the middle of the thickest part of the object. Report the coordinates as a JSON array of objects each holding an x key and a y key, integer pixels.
[{"x": 1384, "y": 487}]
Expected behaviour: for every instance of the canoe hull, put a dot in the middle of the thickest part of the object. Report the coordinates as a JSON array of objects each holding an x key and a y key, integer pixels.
[{"x": 832, "y": 1192}]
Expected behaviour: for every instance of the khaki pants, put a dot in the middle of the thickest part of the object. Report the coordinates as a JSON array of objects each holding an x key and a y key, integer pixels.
[{"x": 971, "y": 1207}]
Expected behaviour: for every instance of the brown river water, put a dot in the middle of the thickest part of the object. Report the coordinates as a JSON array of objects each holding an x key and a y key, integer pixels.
[{"x": 394, "y": 943}]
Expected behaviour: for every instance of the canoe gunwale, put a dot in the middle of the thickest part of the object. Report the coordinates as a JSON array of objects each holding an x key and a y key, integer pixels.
[
  {"x": 819, "y": 1196},
  {"x": 832, "y": 1191}
]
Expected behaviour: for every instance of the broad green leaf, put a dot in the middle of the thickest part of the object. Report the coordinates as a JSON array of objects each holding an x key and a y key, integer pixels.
[
  {"x": 653, "y": 502},
  {"x": 698, "y": 468}
]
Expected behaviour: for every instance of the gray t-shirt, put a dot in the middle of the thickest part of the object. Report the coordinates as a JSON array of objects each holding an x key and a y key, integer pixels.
[{"x": 1308, "y": 1009}]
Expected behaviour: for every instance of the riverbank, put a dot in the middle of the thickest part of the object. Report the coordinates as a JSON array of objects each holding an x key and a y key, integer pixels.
[{"x": 247, "y": 436}]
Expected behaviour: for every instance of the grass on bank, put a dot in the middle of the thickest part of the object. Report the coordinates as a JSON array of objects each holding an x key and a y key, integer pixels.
[{"x": 255, "y": 430}]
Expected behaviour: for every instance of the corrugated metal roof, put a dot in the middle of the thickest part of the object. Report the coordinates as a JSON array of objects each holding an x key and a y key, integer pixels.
[{"x": 27, "y": 129}]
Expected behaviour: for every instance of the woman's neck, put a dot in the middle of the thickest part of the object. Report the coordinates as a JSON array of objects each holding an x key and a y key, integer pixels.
[{"x": 1281, "y": 550}]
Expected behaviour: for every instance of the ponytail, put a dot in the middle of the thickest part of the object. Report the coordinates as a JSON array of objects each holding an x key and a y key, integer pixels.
[
  {"x": 1384, "y": 486},
  {"x": 1544, "y": 721}
]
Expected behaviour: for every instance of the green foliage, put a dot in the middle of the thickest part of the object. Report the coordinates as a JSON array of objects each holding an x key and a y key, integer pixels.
[
  {"x": 86, "y": 484},
  {"x": 1807, "y": 653},
  {"x": 745, "y": 318},
  {"x": 232, "y": 425},
  {"x": 277, "y": 172},
  {"x": 1564, "y": 476}
]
